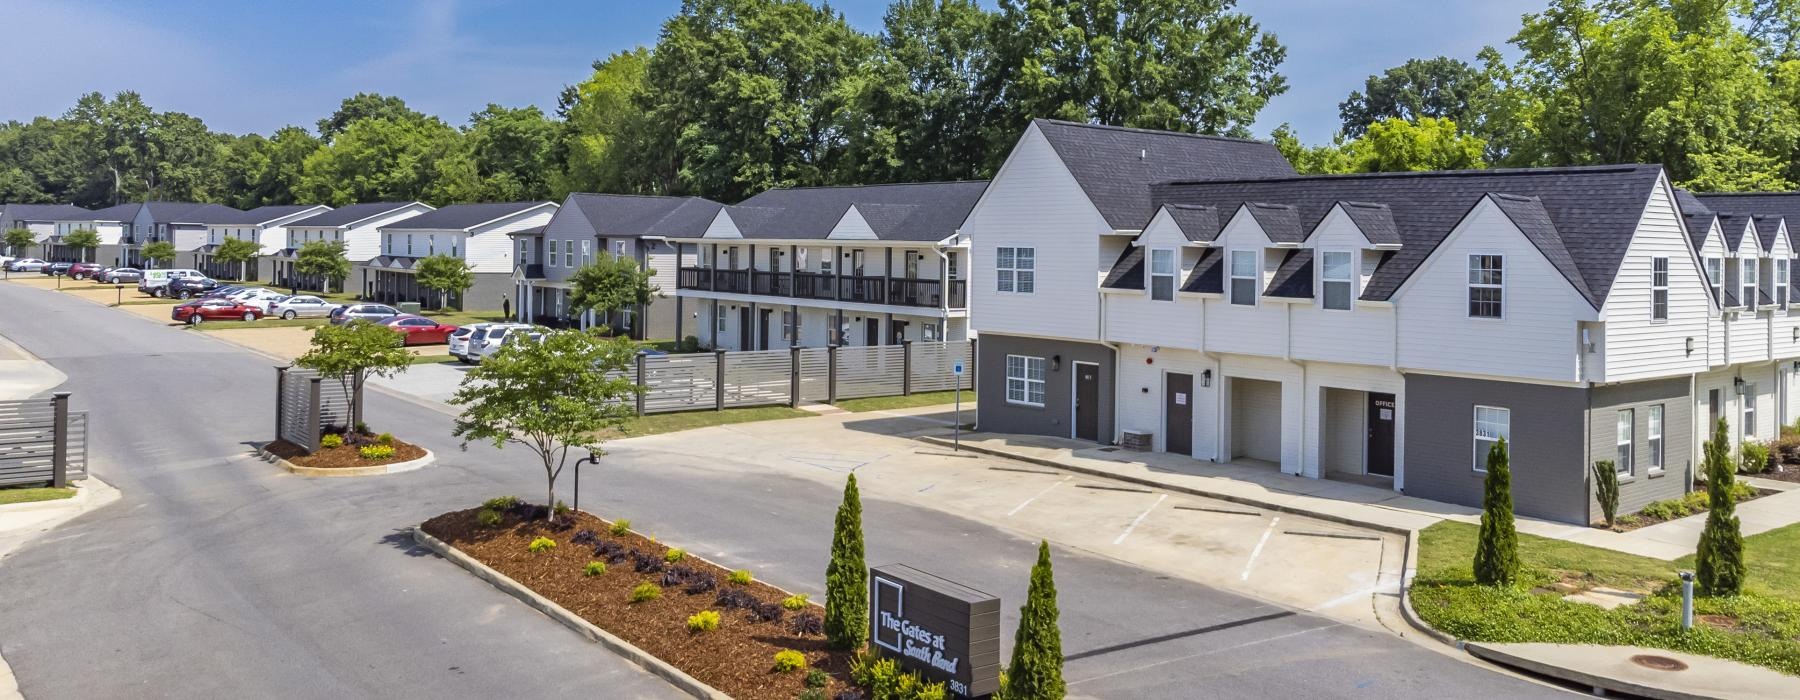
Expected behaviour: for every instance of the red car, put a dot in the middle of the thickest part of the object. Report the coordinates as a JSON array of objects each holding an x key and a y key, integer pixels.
[
  {"x": 418, "y": 330},
  {"x": 83, "y": 270},
  {"x": 218, "y": 309}
]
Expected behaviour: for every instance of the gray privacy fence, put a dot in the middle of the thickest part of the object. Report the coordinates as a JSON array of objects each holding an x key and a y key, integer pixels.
[
  {"x": 724, "y": 379},
  {"x": 42, "y": 441},
  {"x": 306, "y": 404}
]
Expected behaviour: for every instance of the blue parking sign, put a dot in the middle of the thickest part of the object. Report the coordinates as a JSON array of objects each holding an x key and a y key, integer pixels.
[{"x": 957, "y": 368}]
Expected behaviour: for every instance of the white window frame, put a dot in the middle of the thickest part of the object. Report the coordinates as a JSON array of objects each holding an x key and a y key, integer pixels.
[
  {"x": 1254, "y": 277},
  {"x": 1498, "y": 287},
  {"x": 1748, "y": 415},
  {"x": 1781, "y": 282},
  {"x": 1747, "y": 284},
  {"x": 1019, "y": 376},
  {"x": 1015, "y": 270},
  {"x": 1715, "y": 277},
  {"x": 1659, "y": 289},
  {"x": 1496, "y": 417},
  {"x": 1624, "y": 438},
  {"x": 585, "y": 252},
  {"x": 1348, "y": 281},
  {"x": 1655, "y": 442},
  {"x": 719, "y": 317},
  {"x": 1164, "y": 273}
]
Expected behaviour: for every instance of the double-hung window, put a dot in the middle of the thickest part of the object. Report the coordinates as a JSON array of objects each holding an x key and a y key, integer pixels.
[
  {"x": 1749, "y": 409},
  {"x": 1622, "y": 437},
  {"x": 1747, "y": 278},
  {"x": 1162, "y": 275},
  {"x": 1715, "y": 276},
  {"x": 1659, "y": 289},
  {"x": 569, "y": 253},
  {"x": 1491, "y": 426},
  {"x": 1486, "y": 288},
  {"x": 1244, "y": 277},
  {"x": 1335, "y": 280},
  {"x": 1781, "y": 282},
  {"x": 719, "y": 320},
  {"x": 787, "y": 326},
  {"x": 1015, "y": 270},
  {"x": 1656, "y": 438},
  {"x": 1025, "y": 380},
  {"x": 585, "y": 255}
]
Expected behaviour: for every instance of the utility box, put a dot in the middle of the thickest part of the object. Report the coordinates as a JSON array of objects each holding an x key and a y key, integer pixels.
[
  {"x": 408, "y": 307},
  {"x": 1137, "y": 440}
]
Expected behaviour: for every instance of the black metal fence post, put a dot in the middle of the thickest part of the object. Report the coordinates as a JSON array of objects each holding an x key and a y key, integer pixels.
[
  {"x": 794, "y": 376},
  {"x": 906, "y": 368},
  {"x": 718, "y": 380},
  {"x": 59, "y": 452},
  {"x": 642, "y": 387},
  {"x": 831, "y": 352}
]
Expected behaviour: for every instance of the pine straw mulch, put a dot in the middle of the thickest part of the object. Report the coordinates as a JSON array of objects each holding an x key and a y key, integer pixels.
[
  {"x": 737, "y": 658},
  {"x": 341, "y": 457}
]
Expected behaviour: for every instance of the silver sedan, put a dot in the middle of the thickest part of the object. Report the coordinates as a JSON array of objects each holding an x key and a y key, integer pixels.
[{"x": 301, "y": 306}]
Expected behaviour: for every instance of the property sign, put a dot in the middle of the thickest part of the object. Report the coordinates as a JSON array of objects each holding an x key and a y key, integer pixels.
[{"x": 946, "y": 631}]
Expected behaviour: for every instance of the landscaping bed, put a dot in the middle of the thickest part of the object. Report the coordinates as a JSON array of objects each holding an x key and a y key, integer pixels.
[
  {"x": 737, "y": 657},
  {"x": 343, "y": 456},
  {"x": 1693, "y": 503}
]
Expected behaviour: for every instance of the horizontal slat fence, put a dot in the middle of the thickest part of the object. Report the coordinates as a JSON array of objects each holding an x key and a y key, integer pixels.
[
  {"x": 29, "y": 437},
  {"x": 700, "y": 381},
  {"x": 873, "y": 370}
]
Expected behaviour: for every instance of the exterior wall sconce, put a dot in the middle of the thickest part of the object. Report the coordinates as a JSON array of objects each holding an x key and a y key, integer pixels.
[
  {"x": 1206, "y": 377},
  {"x": 1056, "y": 363},
  {"x": 1690, "y": 345}
]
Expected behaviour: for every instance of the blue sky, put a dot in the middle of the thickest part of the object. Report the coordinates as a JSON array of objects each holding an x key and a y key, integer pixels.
[{"x": 255, "y": 66}]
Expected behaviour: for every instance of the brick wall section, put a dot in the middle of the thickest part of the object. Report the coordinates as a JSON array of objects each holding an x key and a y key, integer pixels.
[{"x": 1549, "y": 473}]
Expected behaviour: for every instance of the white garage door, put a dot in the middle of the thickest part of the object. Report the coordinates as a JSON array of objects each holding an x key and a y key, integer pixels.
[
  {"x": 1256, "y": 419},
  {"x": 1345, "y": 437}
]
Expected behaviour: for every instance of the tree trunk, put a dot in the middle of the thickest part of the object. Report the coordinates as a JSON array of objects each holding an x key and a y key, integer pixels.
[{"x": 550, "y": 497}]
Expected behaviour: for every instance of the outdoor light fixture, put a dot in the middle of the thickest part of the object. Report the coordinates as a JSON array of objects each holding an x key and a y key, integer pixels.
[
  {"x": 1206, "y": 378},
  {"x": 1690, "y": 345},
  {"x": 1056, "y": 363}
]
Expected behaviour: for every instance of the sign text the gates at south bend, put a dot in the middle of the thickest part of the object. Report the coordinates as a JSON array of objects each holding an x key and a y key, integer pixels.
[{"x": 945, "y": 631}]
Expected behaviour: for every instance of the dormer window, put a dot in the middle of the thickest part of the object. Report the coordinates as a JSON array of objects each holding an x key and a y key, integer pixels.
[
  {"x": 1715, "y": 275},
  {"x": 1162, "y": 275},
  {"x": 1244, "y": 276},
  {"x": 1781, "y": 282},
  {"x": 1486, "y": 288},
  {"x": 1747, "y": 280},
  {"x": 1336, "y": 281}
]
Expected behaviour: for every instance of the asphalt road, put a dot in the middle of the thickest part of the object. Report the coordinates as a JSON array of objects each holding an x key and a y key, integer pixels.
[{"x": 217, "y": 575}]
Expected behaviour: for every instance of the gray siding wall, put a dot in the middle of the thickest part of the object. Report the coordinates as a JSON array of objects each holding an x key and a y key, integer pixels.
[
  {"x": 568, "y": 224},
  {"x": 489, "y": 287},
  {"x": 1548, "y": 456},
  {"x": 995, "y": 415},
  {"x": 1644, "y": 486}
]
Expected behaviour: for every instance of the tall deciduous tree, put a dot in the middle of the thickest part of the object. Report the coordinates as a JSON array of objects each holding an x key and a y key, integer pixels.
[
  {"x": 601, "y": 124},
  {"x": 323, "y": 260},
  {"x": 238, "y": 251},
  {"x": 445, "y": 275},
  {"x": 1719, "y": 559},
  {"x": 19, "y": 241},
  {"x": 380, "y": 159},
  {"x": 1497, "y": 546},
  {"x": 1390, "y": 145},
  {"x": 1442, "y": 87},
  {"x": 262, "y": 171},
  {"x": 847, "y": 576},
  {"x": 610, "y": 283},
  {"x": 84, "y": 241},
  {"x": 159, "y": 252},
  {"x": 550, "y": 396},
  {"x": 350, "y": 354},
  {"x": 923, "y": 104},
  {"x": 365, "y": 105}
]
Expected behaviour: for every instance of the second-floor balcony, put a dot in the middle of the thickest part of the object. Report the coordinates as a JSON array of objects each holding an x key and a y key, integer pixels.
[{"x": 867, "y": 289}]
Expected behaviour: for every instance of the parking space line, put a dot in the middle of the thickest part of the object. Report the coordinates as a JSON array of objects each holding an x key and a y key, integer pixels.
[
  {"x": 1140, "y": 518},
  {"x": 1259, "y": 547},
  {"x": 1034, "y": 497}
]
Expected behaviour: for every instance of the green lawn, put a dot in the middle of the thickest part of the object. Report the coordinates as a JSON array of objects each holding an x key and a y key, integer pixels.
[
  {"x": 929, "y": 398},
  {"x": 432, "y": 359},
  {"x": 18, "y": 494},
  {"x": 658, "y": 423},
  {"x": 1768, "y": 616},
  {"x": 217, "y": 325}
]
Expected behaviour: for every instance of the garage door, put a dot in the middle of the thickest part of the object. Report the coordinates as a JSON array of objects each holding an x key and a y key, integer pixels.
[
  {"x": 1256, "y": 419},
  {"x": 1344, "y": 434}
]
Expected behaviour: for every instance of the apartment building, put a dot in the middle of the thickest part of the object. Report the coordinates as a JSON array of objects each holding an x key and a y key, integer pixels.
[
  {"x": 480, "y": 234},
  {"x": 265, "y": 226},
  {"x": 814, "y": 266},
  {"x": 356, "y": 226},
  {"x": 48, "y": 223}
]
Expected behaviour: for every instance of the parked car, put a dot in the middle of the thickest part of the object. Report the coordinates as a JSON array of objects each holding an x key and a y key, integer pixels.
[
  {"x": 198, "y": 310},
  {"x": 488, "y": 340},
  {"x": 362, "y": 312},
  {"x": 84, "y": 270},
  {"x": 227, "y": 291},
  {"x": 26, "y": 265},
  {"x": 418, "y": 330},
  {"x": 6, "y": 260},
  {"x": 302, "y": 306},
  {"x": 152, "y": 282},
  {"x": 121, "y": 275},
  {"x": 189, "y": 287},
  {"x": 262, "y": 299},
  {"x": 57, "y": 269},
  {"x": 459, "y": 340}
]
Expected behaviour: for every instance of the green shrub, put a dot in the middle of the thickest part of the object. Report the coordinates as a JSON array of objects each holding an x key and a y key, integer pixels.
[
  {"x": 541, "y": 544},
  {"x": 789, "y": 660},
  {"x": 847, "y": 577},
  {"x": 332, "y": 440},
  {"x": 674, "y": 554},
  {"x": 562, "y": 509},
  {"x": 384, "y": 439},
  {"x": 886, "y": 680},
  {"x": 1606, "y": 490},
  {"x": 811, "y": 694},
  {"x": 796, "y": 601},
  {"x": 594, "y": 568},
  {"x": 1753, "y": 458},
  {"x": 376, "y": 451},
  {"x": 1037, "y": 659},
  {"x": 1497, "y": 550},
  {"x": 488, "y": 517},
  {"x": 741, "y": 577},
  {"x": 703, "y": 621},
  {"x": 501, "y": 503},
  {"x": 1719, "y": 559},
  {"x": 817, "y": 678},
  {"x": 646, "y": 591},
  {"x": 619, "y": 527}
]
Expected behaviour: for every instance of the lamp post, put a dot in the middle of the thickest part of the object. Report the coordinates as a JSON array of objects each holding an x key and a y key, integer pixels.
[{"x": 592, "y": 458}]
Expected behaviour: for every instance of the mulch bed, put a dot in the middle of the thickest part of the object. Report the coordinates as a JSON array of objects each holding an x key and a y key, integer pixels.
[
  {"x": 737, "y": 658},
  {"x": 341, "y": 457},
  {"x": 1782, "y": 472},
  {"x": 1634, "y": 521}
]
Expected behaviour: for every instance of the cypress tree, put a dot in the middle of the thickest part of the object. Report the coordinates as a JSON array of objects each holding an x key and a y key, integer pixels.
[
  {"x": 847, "y": 577},
  {"x": 1037, "y": 659},
  {"x": 1719, "y": 560},
  {"x": 1606, "y": 490},
  {"x": 1497, "y": 552}
]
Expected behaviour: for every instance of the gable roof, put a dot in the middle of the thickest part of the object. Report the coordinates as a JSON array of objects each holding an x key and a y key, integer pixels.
[
  {"x": 1208, "y": 276},
  {"x": 1698, "y": 225},
  {"x": 1767, "y": 227},
  {"x": 633, "y": 215},
  {"x": 1280, "y": 222},
  {"x": 200, "y": 214},
  {"x": 1116, "y": 165},
  {"x": 1528, "y": 214},
  {"x": 1734, "y": 226},
  {"x": 1375, "y": 221},
  {"x": 925, "y": 211},
  {"x": 1198, "y": 223},
  {"x": 1591, "y": 212},
  {"x": 1782, "y": 204},
  {"x": 350, "y": 214},
  {"x": 46, "y": 212},
  {"x": 462, "y": 217},
  {"x": 118, "y": 212},
  {"x": 259, "y": 215}
]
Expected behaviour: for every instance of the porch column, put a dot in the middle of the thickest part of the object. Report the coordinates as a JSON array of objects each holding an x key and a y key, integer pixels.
[{"x": 680, "y": 317}]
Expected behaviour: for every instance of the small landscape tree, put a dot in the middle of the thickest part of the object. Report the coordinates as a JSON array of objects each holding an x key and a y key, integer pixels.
[
  {"x": 1719, "y": 559},
  {"x": 561, "y": 393},
  {"x": 1606, "y": 490},
  {"x": 240, "y": 252},
  {"x": 159, "y": 252},
  {"x": 445, "y": 275},
  {"x": 847, "y": 577},
  {"x": 610, "y": 283},
  {"x": 352, "y": 353},
  {"x": 1497, "y": 550},
  {"x": 82, "y": 240},
  {"x": 324, "y": 260},
  {"x": 1037, "y": 659},
  {"x": 19, "y": 240}
]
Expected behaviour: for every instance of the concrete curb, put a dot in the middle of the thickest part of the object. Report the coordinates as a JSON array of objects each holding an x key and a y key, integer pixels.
[
  {"x": 1601, "y": 684},
  {"x": 395, "y": 468},
  {"x": 1152, "y": 483},
  {"x": 643, "y": 659},
  {"x": 1409, "y": 570}
]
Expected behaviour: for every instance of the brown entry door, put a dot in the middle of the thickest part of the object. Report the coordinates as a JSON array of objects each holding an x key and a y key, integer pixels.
[
  {"x": 1178, "y": 413},
  {"x": 1381, "y": 434},
  {"x": 746, "y": 331},
  {"x": 1087, "y": 401},
  {"x": 762, "y": 328},
  {"x": 871, "y": 331}
]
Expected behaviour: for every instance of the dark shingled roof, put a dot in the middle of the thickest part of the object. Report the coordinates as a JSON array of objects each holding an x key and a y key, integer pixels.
[
  {"x": 1294, "y": 278},
  {"x": 1528, "y": 214},
  {"x": 1698, "y": 225},
  {"x": 1199, "y": 223},
  {"x": 258, "y": 215},
  {"x": 1733, "y": 226},
  {"x": 1115, "y": 166},
  {"x": 1208, "y": 276},
  {"x": 1591, "y": 211},
  {"x": 1128, "y": 271},
  {"x": 200, "y": 214},
  {"x": 1782, "y": 204},
  {"x": 457, "y": 217},
  {"x": 688, "y": 220},
  {"x": 350, "y": 214},
  {"x": 1375, "y": 221},
  {"x": 1280, "y": 222},
  {"x": 121, "y": 213},
  {"x": 47, "y": 212},
  {"x": 632, "y": 215},
  {"x": 926, "y": 211},
  {"x": 1767, "y": 228}
]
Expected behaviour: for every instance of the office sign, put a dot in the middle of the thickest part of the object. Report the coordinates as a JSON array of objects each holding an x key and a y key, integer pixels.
[{"x": 946, "y": 631}]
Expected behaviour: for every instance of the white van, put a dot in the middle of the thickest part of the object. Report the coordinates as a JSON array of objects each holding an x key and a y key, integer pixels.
[{"x": 155, "y": 280}]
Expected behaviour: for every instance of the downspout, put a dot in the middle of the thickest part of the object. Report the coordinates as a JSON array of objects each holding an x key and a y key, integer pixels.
[
  {"x": 944, "y": 297},
  {"x": 1218, "y": 391},
  {"x": 1101, "y": 336}
]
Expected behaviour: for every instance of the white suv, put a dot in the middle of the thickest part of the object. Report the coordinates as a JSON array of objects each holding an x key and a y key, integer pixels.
[{"x": 487, "y": 340}]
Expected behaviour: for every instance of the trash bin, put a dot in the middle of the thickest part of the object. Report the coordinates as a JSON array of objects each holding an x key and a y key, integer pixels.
[{"x": 408, "y": 307}]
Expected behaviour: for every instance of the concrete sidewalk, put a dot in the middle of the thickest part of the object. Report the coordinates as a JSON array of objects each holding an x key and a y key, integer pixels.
[{"x": 1642, "y": 672}]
